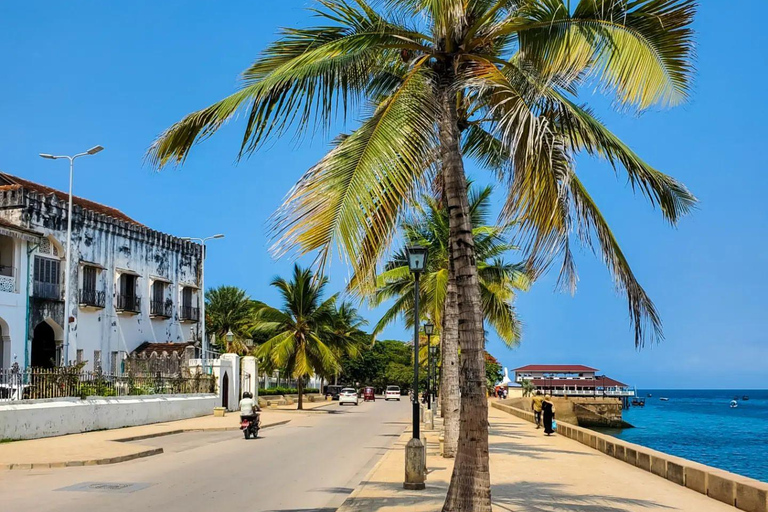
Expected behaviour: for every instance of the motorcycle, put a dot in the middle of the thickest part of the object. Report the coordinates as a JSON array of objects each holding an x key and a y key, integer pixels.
[{"x": 250, "y": 425}]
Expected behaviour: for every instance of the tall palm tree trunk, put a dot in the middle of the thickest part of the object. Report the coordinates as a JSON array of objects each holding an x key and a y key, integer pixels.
[
  {"x": 470, "y": 488},
  {"x": 449, "y": 380},
  {"x": 300, "y": 386}
]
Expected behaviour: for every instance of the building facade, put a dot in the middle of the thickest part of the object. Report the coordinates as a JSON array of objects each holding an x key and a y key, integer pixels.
[
  {"x": 571, "y": 380},
  {"x": 129, "y": 284}
]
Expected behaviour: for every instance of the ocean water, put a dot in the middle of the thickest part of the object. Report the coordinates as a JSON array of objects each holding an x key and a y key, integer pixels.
[{"x": 699, "y": 425}]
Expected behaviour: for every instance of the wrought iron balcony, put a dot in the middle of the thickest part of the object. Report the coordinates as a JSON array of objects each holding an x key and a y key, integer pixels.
[
  {"x": 128, "y": 303},
  {"x": 190, "y": 313},
  {"x": 161, "y": 308},
  {"x": 93, "y": 298},
  {"x": 43, "y": 290}
]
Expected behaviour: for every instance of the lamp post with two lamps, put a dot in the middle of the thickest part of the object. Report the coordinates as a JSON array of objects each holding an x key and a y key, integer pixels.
[
  {"x": 415, "y": 457},
  {"x": 92, "y": 151},
  {"x": 203, "y": 340}
]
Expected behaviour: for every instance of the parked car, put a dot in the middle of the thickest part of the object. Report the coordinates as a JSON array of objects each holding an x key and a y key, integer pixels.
[
  {"x": 348, "y": 396},
  {"x": 392, "y": 393},
  {"x": 369, "y": 394},
  {"x": 333, "y": 391}
]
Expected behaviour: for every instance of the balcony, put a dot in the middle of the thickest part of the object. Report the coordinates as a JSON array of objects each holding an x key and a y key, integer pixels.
[
  {"x": 163, "y": 309},
  {"x": 7, "y": 279},
  {"x": 93, "y": 298},
  {"x": 44, "y": 290},
  {"x": 190, "y": 314},
  {"x": 128, "y": 304}
]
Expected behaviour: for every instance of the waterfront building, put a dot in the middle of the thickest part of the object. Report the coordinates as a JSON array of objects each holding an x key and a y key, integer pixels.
[
  {"x": 129, "y": 284},
  {"x": 572, "y": 380}
]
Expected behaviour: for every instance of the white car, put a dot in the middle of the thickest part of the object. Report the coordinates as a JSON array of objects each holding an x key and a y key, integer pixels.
[
  {"x": 392, "y": 393},
  {"x": 348, "y": 396}
]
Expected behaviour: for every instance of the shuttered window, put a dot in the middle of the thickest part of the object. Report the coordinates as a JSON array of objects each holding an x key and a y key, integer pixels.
[
  {"x": 89, "y": 279},
  {"x": 47, "y": 270}
]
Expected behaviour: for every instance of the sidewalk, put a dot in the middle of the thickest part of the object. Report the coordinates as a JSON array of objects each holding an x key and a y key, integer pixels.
[
  {"x": 529, "y": 473},
  {"x": 105, "y": 447}
]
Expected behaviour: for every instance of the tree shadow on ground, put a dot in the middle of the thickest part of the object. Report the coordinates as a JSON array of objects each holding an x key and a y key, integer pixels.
[
  {"x": 533, "y": 452},
  {"x": 334, "y": 490},
  {"x": 517, "y": 497},
  {"x": 549, "y": 497}
]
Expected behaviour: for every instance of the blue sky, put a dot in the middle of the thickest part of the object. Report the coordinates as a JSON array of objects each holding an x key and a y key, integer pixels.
[{"x": 75, "y": 74}]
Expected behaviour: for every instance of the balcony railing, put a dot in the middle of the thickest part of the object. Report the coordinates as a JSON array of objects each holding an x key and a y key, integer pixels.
[
  {"x": 129, "y": 303},
  {"x": 190, "y": 313},
  {"x": 7, "y": 279},
  {"x": 93, "y": 298},
  {"x": 43, "y": 290},
  {"x": 161, "y": 308}
]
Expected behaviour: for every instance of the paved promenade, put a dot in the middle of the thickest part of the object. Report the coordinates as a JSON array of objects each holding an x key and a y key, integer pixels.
[
  {"x": 109, "y": 446},
  {"x": 531, "y": 473}
]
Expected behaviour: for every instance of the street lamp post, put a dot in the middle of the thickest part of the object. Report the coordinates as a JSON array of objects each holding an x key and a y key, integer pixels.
[
  {"x": 92, "y": 151},
  {"x": 429, "y": 330},
  {"x": 433, "y": 395},
  {"x": 203, "y": 340},
  {"x": 415, "y": 456}
]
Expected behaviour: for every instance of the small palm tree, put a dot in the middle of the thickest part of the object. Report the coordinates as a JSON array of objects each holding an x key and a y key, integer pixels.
[
  {"x": 302, "y": 340},
  {"x": 528, "y": 387}
]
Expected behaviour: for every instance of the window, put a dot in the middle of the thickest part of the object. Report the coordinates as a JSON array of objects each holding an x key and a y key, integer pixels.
[
  {"x": 189, "y": 310},
  {"x": 79, "y": 356},
  {"x": 96, "y": 359},
  {"x": 126, "y": 297},
  {"x": 46, "y": 278},
  {"x": 90, "y": 295},
  {"x": 160, "y": 304}
]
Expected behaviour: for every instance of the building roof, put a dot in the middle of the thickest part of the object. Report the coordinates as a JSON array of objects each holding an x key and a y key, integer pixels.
[
  {"x": 556, "y": 368},
  {"x": 598, "y": 382},
  {"x": 9, "y": 182}
]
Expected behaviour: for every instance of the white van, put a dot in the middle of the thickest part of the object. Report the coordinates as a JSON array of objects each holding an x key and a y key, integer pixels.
[{"x": 392, "y": 393}]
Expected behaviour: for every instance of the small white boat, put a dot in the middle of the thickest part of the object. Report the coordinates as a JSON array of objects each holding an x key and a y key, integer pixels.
[
  {"x": 664, "y": 399},
  {"x": 734, "y": 404}
]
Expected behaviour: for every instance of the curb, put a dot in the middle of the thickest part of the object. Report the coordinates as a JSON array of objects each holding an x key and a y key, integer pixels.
[
  {"x": 347, "y": 506},
  {"x": 124, "y": 458}
]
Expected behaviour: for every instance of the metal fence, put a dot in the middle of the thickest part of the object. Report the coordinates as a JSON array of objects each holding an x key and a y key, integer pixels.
[{"x": 36, "y": 383}]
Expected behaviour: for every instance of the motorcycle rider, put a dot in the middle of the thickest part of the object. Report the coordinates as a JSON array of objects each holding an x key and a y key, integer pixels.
[{"x": 248, "y": 407}]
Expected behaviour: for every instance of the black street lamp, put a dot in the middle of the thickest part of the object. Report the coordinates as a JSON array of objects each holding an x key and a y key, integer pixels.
[
  {"x": 429, "y": 330},
  {"x": 433, "y": 355},
  {"x": 417, "y": 262}
]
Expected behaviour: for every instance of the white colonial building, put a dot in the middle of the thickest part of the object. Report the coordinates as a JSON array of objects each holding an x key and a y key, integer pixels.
[{"x": 129, "y": 284}]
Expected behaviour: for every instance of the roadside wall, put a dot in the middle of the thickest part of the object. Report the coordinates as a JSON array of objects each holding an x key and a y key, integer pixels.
[
  {"x": 736, "y": 490},
  {"x": 36, "y": 419}
]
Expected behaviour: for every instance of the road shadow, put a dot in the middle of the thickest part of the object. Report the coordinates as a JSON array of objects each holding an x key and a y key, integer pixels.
[
  {"x": 533, "y": 452},
  {"x": 334, "y": 490}
]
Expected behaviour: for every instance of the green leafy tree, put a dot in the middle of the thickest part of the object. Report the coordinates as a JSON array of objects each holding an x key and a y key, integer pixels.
[
  {"x": 528, "y": 387},
  {"x": 494, "y": 372},
  {"x": 302, "y": 338},
  {"x": 441, "y": 80},
  {"x": 228, "y": 308}
]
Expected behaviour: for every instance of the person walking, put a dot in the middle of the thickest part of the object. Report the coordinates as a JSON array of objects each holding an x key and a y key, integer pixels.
[
  {"x": 548, "y": 413},
  {"x": 536, "y": 406}
]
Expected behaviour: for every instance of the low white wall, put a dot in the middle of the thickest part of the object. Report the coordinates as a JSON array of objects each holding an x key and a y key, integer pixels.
[{"x": 32, "y": 420}]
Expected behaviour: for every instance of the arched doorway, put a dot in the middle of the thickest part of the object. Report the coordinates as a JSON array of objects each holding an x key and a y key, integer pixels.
[
  {"x": 225, "y": 391},
  {"x": 43, "y": 346}
]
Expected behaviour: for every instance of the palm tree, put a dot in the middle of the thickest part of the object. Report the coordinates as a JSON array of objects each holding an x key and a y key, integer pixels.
[
  {"x": 498, "y": 282},
  {"x": 228, "y": 308},
  {"x": 528, "y": 387},
  {"x": 438, "y": 80},
  {"x": 346, "y": 325},
  {"x": 302, "y": 339}
]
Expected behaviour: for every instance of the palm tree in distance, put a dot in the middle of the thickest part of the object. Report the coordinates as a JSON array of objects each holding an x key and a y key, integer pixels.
[
  {"x": 439, "y": 80},
  {"x": 499, "y": 280},
  {"x": 528, "y": 387},
  {"x": 228, "y": 308},
  {"x": 302, "y": 339}
]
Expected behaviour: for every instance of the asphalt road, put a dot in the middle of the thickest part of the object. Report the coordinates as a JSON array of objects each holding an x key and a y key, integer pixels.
[{"x": 311, "y": 463}]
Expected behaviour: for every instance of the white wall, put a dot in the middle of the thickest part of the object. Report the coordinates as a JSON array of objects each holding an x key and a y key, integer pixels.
[{"x": 73, "y": 416}]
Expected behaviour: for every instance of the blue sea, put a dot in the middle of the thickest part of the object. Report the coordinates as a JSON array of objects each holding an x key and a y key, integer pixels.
[{"x": 699, "y": 425}]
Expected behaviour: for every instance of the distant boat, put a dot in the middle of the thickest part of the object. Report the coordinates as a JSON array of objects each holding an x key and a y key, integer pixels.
[
  {"x": 734, "y": 404},
  {"x": 745, "y": 397},
  {"x": 650, "y": 395},
  {"x": 664, "y": 399}
]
